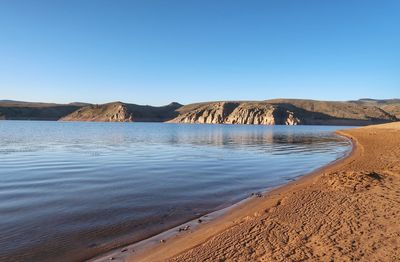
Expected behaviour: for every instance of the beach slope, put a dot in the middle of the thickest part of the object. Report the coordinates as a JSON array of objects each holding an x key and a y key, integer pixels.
[{"x": 348, "y": 211}]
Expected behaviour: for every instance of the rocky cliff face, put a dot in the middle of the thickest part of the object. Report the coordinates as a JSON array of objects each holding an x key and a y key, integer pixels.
[
  {"x": 236, "y": 113},
  {"x": 213, "y": 113},
  {"x": 113, "y": 112},
  {"x": 284, "y": 112},
  {"x": 262, "y": 114},
  {"x": 121, "y": 114}
]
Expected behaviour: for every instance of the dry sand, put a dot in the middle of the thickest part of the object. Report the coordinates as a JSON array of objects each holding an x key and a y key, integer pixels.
[{"x": 348, "y": 211}]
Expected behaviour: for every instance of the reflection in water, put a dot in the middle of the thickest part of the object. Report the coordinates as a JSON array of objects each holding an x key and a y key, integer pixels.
[
  {"x": 273, "y": 139},
  {"x": 72, "y": 190}
]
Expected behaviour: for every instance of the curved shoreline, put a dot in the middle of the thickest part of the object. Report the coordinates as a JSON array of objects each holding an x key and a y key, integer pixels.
[
  {"x": 348, "y": 211},
  {"x": 140, "y": 251}
]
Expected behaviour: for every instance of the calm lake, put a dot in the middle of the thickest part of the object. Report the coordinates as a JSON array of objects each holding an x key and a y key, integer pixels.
[{"x": 69, "y": 191}]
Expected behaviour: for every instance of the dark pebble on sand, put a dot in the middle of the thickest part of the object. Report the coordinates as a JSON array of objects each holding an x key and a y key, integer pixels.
[{"x": 186, "y": 228}]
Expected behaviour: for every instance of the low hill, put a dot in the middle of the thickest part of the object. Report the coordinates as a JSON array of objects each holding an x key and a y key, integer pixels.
[
  {"x": 391, "y": 106},
  {"x": 268, "y": 112},
  {"x": 18, "y": 110},
  {"x": 122, "y": 112},
  {"x": 393, "y": 109},
  {"x": 284, "y": 111}
]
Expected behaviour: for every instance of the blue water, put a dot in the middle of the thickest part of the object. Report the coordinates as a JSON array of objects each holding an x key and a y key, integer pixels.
[{"x": 69, "y": 191}]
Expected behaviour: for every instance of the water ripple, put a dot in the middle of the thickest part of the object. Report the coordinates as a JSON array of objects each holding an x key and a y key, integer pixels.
[{"x": 71, "y": 190}]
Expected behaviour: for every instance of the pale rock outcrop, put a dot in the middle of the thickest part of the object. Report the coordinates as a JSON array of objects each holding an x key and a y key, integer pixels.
[
  {"x": 257, "y": 115},
  {"x": 292, "y": 120},
  {"x": 238, "y": 113},
  {"x": 214, "y": 113},
  {"x": 121, "y": 115}
]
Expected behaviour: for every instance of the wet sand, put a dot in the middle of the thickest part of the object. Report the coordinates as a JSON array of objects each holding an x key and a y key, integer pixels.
[{"x": 347, "y": 211}]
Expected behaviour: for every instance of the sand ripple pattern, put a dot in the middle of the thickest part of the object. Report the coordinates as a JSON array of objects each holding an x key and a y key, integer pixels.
[{"x": 349, "y": 213}]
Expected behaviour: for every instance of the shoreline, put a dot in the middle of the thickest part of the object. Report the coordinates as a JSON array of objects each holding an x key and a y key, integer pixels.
[
  {"x": 139, "y": 251},
  {"x": 348, "y": 211}
]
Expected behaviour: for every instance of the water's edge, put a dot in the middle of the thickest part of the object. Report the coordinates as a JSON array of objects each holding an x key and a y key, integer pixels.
[{"x": 129, "y": 251}]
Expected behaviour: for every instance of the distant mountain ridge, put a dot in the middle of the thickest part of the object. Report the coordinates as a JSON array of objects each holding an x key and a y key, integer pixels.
[{"x": 268, "y": 112}]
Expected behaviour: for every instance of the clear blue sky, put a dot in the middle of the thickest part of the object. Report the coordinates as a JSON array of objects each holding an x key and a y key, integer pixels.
[{"x": 155, "y": 52}]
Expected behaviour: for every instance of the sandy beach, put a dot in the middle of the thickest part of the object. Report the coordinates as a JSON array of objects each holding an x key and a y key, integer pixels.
[{"x": 347, "y": 211}]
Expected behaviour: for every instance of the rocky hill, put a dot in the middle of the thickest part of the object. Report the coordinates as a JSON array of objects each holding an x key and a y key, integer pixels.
[
  {"x": 268, "y": 112},
  {"x": 258, "y": 113},
  {"x": 392, "y": 109},
  {"x": 284, "y": 111},
  {"x": 122, "y": 112},
  {"x": 391, "y": 106},
  {"x": 18, "y": 110}
]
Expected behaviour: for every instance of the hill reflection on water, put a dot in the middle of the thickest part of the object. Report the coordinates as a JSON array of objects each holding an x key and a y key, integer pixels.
[{"x": 72, "y": 190}]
